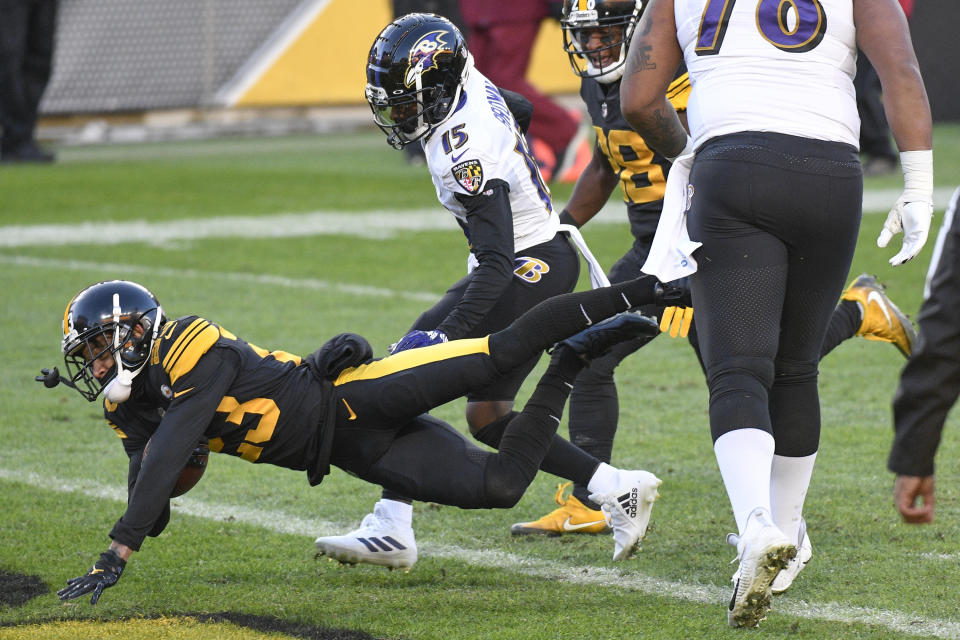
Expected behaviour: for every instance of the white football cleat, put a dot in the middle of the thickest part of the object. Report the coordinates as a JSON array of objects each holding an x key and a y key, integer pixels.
[
  {"x": 804, "y": 552},
  {"x": 378, "y": 540},
  {"x": 763, "y": 552},
  {"x": 629, "y": 507}
]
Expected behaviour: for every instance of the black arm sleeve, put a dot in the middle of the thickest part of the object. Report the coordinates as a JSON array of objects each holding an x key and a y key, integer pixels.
[
  {"x": 490, "y": 222},
  {"x": 183, "y": 424},
  {"x": 132, "y": 472},
  {"x": 520, "y": 107}
]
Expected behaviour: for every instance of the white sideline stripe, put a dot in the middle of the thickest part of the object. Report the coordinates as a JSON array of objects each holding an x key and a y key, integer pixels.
[
  {"x": 377, "y": 224},
  {"x": 365, "y": 224},
  {"x": 940, "y": 557},
  {"x": 246, "y": 278},
  {"x": 280, "y": 522},
  {"x": 273, "y": 520},
  {"x": 269, "y": 52}
]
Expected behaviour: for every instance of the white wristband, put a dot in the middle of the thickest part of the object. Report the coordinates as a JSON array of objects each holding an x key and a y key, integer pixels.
[
  {"x": 917, "y": 175},
  {"x": 687, "y": 149}
]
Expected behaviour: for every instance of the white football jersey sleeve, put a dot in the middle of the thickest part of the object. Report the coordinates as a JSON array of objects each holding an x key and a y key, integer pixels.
[{"x": 480, "y": 142}]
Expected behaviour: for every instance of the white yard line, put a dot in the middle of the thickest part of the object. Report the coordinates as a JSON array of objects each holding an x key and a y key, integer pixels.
[
  {"x": 229, "y": 276},
  {"x": 622, "y": 578},
  {"x": 366, "y": 224}
]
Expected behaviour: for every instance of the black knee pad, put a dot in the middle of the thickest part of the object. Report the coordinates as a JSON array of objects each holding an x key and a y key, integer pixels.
[
  {"x": 792, "y": 372},
  {"x": 729, "y": 372},
  {"x": 739, "y": 390},
  {"x": 795, "y": 408}
]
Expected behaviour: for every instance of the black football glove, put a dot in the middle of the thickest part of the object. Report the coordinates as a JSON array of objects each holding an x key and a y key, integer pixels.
[
  {"x": 673, "y": 294},
  {"x": 104, "y": 573}
]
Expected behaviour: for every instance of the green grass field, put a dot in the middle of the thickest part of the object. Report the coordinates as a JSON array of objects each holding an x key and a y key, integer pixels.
[{"x": 287, "y": 242}]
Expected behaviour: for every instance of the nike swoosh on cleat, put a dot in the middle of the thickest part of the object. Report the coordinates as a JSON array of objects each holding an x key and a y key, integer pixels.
[
  {"x": 873, "y": 296},
  {"x": 567, "y": 526}
]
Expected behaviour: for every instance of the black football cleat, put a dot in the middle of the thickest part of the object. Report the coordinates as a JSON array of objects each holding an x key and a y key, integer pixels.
[
  {"x": 596, "y": 340},
  {"x": 27, "y": 153}
]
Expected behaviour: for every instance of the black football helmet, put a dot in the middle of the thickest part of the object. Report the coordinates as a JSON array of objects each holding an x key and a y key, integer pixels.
[
  {"x": 415, "y": 74},
  {"x": 101, "y": 319},
  {"x": 582, "y": 18}
]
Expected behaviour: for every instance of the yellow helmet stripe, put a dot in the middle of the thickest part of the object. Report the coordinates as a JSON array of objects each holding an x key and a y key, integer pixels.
[{"x": 66, "y": 316}]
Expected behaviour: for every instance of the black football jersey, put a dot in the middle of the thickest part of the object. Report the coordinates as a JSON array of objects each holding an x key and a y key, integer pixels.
[
  {"x": 203, "y": 382},
  {"x": 642, "y": 172}
]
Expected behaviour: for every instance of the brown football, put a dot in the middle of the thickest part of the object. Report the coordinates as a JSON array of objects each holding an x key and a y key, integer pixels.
[{"x": 192, "y": 473}]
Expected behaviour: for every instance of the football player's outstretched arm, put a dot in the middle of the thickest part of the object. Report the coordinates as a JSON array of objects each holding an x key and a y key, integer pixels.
[
  {"x": 882, "y": 35},
  {"x": 197, "y": 396}
]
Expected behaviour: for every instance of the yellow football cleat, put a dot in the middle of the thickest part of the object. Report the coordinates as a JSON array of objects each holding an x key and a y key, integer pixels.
[
  {"x": 572, "y": 517},
  {"x": 882, "y": 320}
]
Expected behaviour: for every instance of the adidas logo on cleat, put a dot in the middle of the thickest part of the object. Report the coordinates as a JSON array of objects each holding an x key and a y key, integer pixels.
[
  {"x": 387, "y": 543},
  {"x": 378, "y": 540},
  {"x": 629, "y": 502}
]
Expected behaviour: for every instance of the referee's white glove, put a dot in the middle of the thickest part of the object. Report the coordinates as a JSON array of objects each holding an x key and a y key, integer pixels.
[{"x": 913, "y": 210}]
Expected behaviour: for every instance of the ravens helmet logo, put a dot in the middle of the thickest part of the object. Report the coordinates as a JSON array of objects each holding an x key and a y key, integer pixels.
[{"x": 423, "y": 55}]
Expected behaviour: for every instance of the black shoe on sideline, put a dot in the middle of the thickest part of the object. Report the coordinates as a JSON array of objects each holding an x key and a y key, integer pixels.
[{"x": 27, "y": 153}]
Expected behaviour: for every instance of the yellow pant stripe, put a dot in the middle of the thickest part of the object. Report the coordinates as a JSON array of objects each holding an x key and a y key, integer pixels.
[{"x": 414, "y": 358}]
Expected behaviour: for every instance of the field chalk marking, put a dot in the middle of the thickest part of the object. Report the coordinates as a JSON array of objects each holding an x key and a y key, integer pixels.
[{"x": 284, "y": 523}]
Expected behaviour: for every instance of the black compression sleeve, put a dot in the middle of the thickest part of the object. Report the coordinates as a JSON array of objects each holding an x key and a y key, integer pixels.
[
  {"x": 132, "y": 473},
  {"x": 490, "y": 222}
]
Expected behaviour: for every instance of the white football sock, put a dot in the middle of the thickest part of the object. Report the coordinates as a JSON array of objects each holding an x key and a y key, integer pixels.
[
  {"x": 789, "y": 480},
  {"x": 744, "y": 457},
  {"x": 603, "y": 480},
  {"x": 400, "y": 513}
]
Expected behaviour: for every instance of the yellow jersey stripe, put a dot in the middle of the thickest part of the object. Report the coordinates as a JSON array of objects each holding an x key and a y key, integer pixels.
[
  {"x": 279, "y": 356},
  {"x": 414, "y": 358},
  {"x": 192, "y": 351},
  {"x": 119, "y": 431},
  {"x": 176, "y": 348}
]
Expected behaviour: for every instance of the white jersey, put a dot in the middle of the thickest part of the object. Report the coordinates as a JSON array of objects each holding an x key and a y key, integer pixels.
[
  {"x": 754, "y": 67},
  {"x": 480, "y": 142}
]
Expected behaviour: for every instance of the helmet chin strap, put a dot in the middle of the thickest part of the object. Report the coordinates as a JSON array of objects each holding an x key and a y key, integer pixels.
[
  {"x": 468, "y": 65},
  {"x": 118, "y": 389}
]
